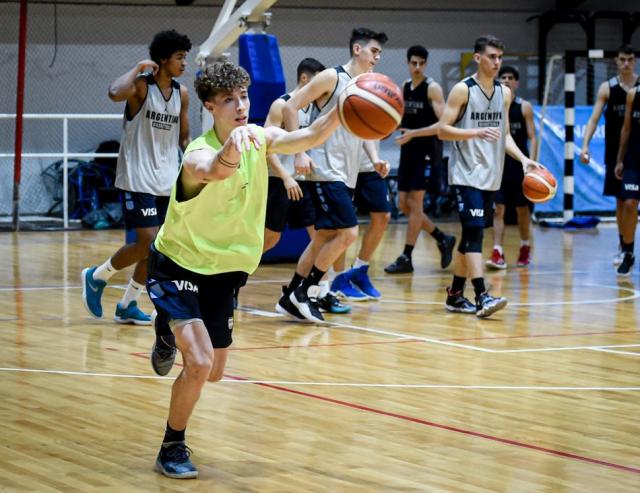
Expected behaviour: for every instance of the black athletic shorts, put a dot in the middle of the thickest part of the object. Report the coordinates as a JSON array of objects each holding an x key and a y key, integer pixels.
[
  {"x": 333, "y": 201},
  {"x": 372, "y": 194},
  {"x": 630, "y": 188},
  {"x": 179, "y": 294},
  {"x": 510, "y": 193},
  {"x": 475, "y": 206},
  {"x": 413, "y": 168},
  {"x": 143, "y": 210},
  {"x": 282, "y": 211},
  {"x": 612, "y": 186}
]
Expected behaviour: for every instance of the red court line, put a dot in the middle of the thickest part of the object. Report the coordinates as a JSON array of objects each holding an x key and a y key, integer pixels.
[
  {"x": 454, "y": 429},
  {"x": 432, "y": 424}
]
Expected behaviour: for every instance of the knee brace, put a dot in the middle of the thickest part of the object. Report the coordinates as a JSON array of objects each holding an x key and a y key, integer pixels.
[{"x": 471, "y": 241}]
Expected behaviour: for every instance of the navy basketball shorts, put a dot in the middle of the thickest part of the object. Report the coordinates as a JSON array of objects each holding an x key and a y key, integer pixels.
[
  {"x": 630, "y": 188},
  {"x": 475, "y": 206},
  {"x": 510, "y": 193},
  {"x": 282, "y": 211},
  {"x": 143, "y": 210},
  {"x": 612, "y": 186},
  {"x": 372, "y": 193},
  {"x": 333, "y": 202},
  {"x": 180, "y": 295},
  {"x": 412, "y": 168}
]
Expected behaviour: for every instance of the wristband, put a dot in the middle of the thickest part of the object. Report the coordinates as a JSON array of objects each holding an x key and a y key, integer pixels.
[{"x": 226, "y": 163}]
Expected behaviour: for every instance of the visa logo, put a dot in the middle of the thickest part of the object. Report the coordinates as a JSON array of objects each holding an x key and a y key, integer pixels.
[
  {"x": 477, "y": 212},
  {"x": 149, "y": 211},
  {"x": 186, "y": 285}
]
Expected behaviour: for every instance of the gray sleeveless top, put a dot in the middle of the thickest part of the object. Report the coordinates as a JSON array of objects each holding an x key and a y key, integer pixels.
[
  {"x": 477, "y": 163},
  {"x": 338, "y": 159},
  {"x": 148, "y": 161},
  {"x": 304, "y": 120}
]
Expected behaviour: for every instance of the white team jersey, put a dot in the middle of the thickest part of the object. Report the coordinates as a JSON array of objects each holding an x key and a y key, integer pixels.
[
  {"x": 338, "y": 158},
  {"x": 366, "y": 166},
  {"x": 304, "y": 120},
  {"x": 148, "y": 161},
  {"x": 475, "y": 162}
]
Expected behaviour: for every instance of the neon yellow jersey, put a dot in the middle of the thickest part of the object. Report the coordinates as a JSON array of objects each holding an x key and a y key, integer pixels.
[{"x": 222, "y": 228}]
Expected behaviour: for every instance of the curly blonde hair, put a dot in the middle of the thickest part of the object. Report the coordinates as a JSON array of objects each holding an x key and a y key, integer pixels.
[{"x": 220, "y": 77}]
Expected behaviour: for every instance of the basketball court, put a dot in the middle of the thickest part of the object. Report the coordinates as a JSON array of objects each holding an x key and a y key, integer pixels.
[{"x": 399, "y": 396}]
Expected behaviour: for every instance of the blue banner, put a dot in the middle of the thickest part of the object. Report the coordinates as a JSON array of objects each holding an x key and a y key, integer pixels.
[{"x": 588, "y": 178}]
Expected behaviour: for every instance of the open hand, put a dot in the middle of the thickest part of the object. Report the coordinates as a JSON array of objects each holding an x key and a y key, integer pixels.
[{"x": 294, "y": 192}]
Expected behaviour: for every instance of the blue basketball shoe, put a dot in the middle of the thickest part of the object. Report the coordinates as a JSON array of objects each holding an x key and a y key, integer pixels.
[
  {"x": 360, "y": 279},
  {"x": 92, "y": 292},
  {"x": 173, "y": 461},
  {"x": 131, "y": 315},
  {"x": 342, "y": 286}
]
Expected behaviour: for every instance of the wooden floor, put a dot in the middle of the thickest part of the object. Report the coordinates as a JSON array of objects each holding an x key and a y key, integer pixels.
[{"x": 399, "y": 396}]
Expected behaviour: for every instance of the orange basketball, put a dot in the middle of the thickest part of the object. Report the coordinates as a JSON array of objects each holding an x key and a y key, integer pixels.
[
  {"x": 539, "y": 185},
  {"x": 371, "y": 106}
]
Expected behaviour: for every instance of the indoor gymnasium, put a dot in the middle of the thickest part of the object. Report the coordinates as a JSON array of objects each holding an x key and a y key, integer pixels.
[{"x": 319, "y": 246}]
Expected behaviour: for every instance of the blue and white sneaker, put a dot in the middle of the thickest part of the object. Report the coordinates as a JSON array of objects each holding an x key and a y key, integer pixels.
[
  {"x": 360, "y": 279},
  {"x": 342, "y": 287},
  {"x": 173, "y": 461},
  {"x": 131, "y": 315},
  {"x": 92, "y": 292}
]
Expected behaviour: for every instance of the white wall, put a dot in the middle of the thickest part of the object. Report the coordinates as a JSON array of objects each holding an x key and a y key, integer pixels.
[{"x": 98, "y": 43}]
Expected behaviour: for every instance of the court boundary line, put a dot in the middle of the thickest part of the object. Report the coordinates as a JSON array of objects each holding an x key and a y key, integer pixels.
[{"x": 230, "y": 379}]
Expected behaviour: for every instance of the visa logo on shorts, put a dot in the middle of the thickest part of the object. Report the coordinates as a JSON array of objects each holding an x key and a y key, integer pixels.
[
  {"x": 476, "y": 212},
  {"x": 149, "y": 211},
  {"x": 186, "y": 286},
  {"x": 632, "y": 187}
]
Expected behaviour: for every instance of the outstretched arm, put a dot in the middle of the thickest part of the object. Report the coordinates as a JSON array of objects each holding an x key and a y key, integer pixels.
[{"x": 282, "y": 142}]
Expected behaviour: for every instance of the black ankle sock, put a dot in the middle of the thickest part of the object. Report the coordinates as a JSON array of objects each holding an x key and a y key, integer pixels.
[
  {"x": 408, "y": 250},
  {"x": 437, "y": 235},
  {"x": 315, "y": 276},
  {"x": 295, "y": 282},
  {"x": 458, "y": 284},
  {"x": 171, "y": 435},
  {"x": 628, "y": 247},
  {"x": 478, "y": 286},
  {"x": 162, "y": 328}
]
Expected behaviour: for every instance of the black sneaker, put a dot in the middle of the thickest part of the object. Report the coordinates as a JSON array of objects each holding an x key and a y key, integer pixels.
[
  {"x": 173, "y": 461},
  {"x": 163, "y": 351},
  {"x": 487, "y": 304},
  {"x": 624, "y": 269},
  {"x": 446, "y": 250},
  {"x": 285, "y": 307},
  {"x": 331, "y": 304},
  {"x": 401, "y": 265},
  {"x": 456, "y": 302},
  {"x": 307, "y": 303}
]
